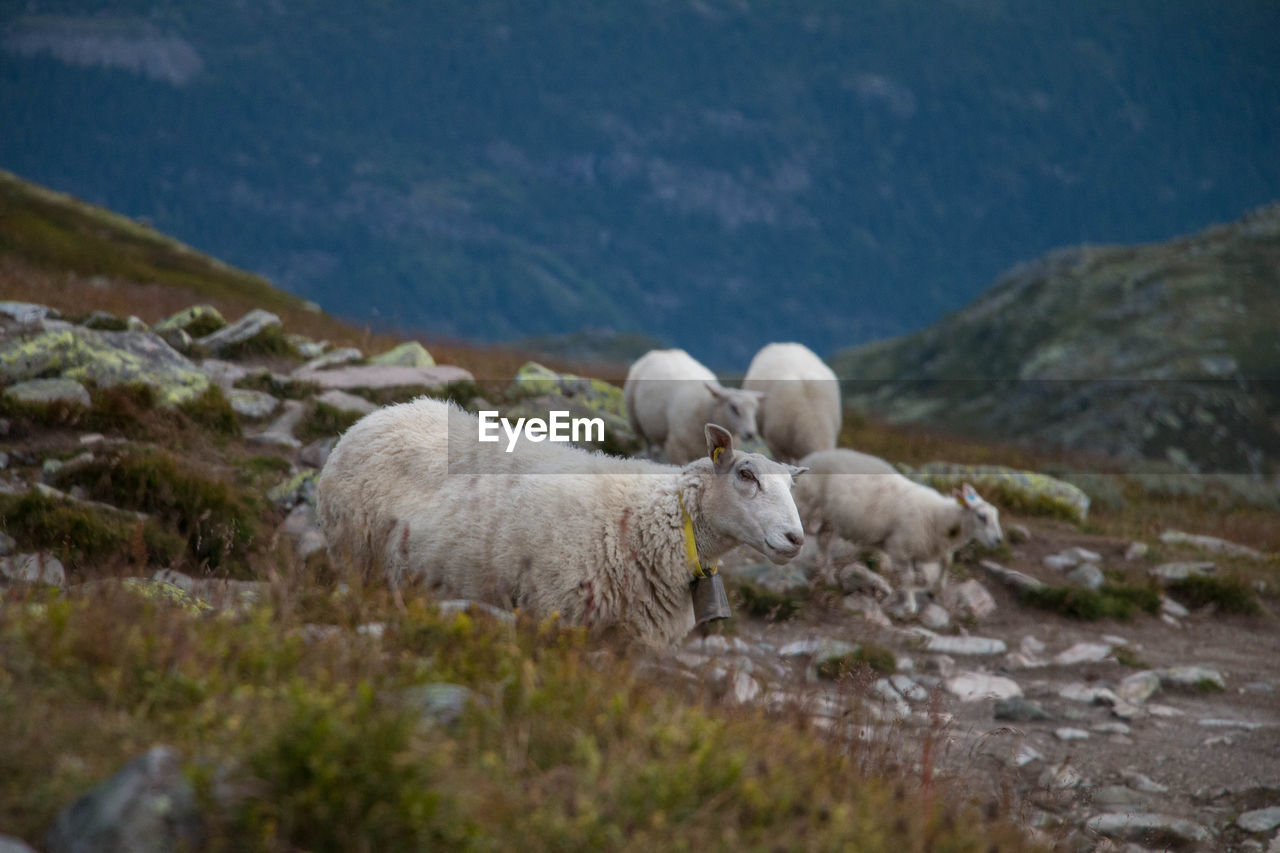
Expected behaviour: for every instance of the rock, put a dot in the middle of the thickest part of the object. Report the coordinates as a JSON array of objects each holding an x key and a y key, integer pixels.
[
  {"x": 147, "y": 806},
  {"x": 891, "y": 700},
  {"x": 1057, "y": 562},
  {"x": 49, "y": 391},
  {"x": 969, "y": 600},
  {"x": 855, "y": 577},
  {"x": 225, "y": 374},
  {"x": 1193, "y": 677},
  {"x": 908, "y": 688},
  {"x": 1148, "y": 828},
  {"x": 303, "y": 529},
  {"x": 1082, "y": 653},
  {"x": 9, "y": 844},
  {"x": 334, "y": 358},
  {"x": 1018, "y": 534},
  {"x": 745, "y": 688},
  {"x": 106, "y": 358},
  {"x": 1167, "y": 573},
  {"x": 1077, "y": 692},
  {"x": 40, "y": 567},
  {"x": 1136, "y": 551},
  {"x": 346, "y": 403},
  {"x": 280, "y": 431},
  {"x": 1010, "y": 577},
  {"x": 1260, "y": 820},
  {"x": 439, "y": 704},
  {"x": 408, "y": 354},
  {"x": 866, "y": 607},
  {"x": 971, "y": 686},
  {"x": 1031, "y": 646},
  {"x": 1018, "y": 710},
  {"x": 252, "y": 404},
  {"x": 1082, "y": 555},
  {"x": 377, "y": 376},
  {"x": 1030, "y": 488},
  {"x": 26, "y": 313},
  {"x": 246, "y": 328},
  {"x": 7, "y": 544},
  {"x": 934, "y": 617},
  {"x": 1218, "y": 723},
  {"x": 1111, "y": 728},
  {"x": 1210, "y": 543},
  {"x": 178, "y": 339},
  {"x": 1139, "y": 687},
  {"x": 960, "y": 645},
  {"x": 1066, "y": 733},
  {"x": 317, "y": 452},
  {"x": 784, "y": 580},
  {"x": 1086, "y": 575},
  {"x": 1060, "y": 777},
  {"x": 204, "y": 318},
  {"x": 1145, "y": 784},
  {"x": 306, "y": 347},
  {"x": 1172, "y": 609},
  {"x": 297, "y": 489}
]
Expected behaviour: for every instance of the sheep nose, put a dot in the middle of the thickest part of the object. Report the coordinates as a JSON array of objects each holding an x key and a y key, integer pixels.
[{"x": 796, "y": 537}]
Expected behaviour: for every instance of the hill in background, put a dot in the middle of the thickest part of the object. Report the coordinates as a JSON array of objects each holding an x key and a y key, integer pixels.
[
  {"x": 1166, "y": 351},
  {"x": 834, "y": 172}
]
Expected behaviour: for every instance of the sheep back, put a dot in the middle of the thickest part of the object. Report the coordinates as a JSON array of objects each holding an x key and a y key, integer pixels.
[{"x": 800, "y": 412}]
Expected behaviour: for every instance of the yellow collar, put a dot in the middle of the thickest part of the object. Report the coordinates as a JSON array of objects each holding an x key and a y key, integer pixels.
[{"x": 691, "y": 547}]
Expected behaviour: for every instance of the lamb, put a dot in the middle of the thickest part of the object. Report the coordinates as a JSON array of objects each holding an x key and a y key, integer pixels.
[
  {"x": 670, "y": 396},
  {"x": 601, "y": 541},
  {"x": 865, "y": 501},
  {"x": 800, "y": 411}
]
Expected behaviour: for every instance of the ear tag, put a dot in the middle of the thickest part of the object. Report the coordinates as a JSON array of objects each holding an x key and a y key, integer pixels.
[{"x": 715, "y": 454}]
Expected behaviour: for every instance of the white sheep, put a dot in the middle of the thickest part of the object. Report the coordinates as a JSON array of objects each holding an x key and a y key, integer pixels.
[
  {"x": 600, "y": 540},
  {"x": 864, "y": 500},
  {"x": 800, "y": 411},
  {"x": 670, "y": 395}
]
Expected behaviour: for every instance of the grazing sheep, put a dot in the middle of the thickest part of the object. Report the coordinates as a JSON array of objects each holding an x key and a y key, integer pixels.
[
  {"x": 410, "y": 491},
  {"x": 800, "y": 411},
  {"x": 864, "y": 500},
  {"x": 670, "y": 396}
]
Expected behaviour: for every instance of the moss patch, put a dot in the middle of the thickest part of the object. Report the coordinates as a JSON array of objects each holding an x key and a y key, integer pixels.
[
  {"x": 763, "y": 604},
  {"x": 324, "y": 421},
  {"x": 85, "y": 537},
  {"x": 866, "y": 660}
]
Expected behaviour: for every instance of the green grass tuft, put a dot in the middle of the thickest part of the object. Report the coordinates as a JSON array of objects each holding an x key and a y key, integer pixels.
[
  {"x": 81, "y": 535},
  {"x": 1111, "y": 601},
  {"x": 765, "y": 604},
  {"x": 325, "y": 421},
  {"x": 213, "y": 412},
  {"x": 867, "y": 659},
  {"x": 1229, "y": 594},
  {"x": 1126, "y": 656}
]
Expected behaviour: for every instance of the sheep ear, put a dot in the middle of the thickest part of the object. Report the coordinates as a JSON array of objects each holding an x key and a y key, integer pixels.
[
  {"x": 959, "y": 496},
  {"x": 759, "y": 395},
  {"x": 719, "y": 447},
  {"x": 970, "y": 495},
  {"x": 796, "y": 471},
  {"x": 717, "y": 390}
]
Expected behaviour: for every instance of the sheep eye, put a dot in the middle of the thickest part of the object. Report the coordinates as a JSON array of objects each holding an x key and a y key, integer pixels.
[
  {"x": 982, "y": 516},
  {"x": 745, "y": 475},
  {"x": 733, "y": 407}
]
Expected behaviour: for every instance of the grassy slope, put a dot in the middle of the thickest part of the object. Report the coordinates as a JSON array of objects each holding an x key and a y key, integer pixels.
[{"x": 565, "y": 748}]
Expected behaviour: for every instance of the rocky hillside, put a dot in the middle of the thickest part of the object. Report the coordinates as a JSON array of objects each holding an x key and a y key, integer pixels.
[{"x": 1165, "y": 351}]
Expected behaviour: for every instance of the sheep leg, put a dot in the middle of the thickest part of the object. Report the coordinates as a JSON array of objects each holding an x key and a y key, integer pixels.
[{"x": 826, "y": 572}]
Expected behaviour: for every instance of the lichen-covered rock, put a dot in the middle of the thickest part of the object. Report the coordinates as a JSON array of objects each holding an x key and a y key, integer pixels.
[
  {"x": 166, "y": 593},
  {"x": 299, "y": 488},
  {"x": 252, "y": 404},
  {"x": 385, "y": 376},
  {"x": 39, "y": 568},
  {"x": 246, "y": 328},
  {"x": 107, "y": 358},
  {"x": 147, "y": 806},
  {"x": 1020, "y": 491},
  {"x": 49, "y": 391},
  {"x": 408, "y": 354},
  {"x": 537, "y": 390},
  {"x": 198, "y": 320},
  {"x": 25, "y": 313}
]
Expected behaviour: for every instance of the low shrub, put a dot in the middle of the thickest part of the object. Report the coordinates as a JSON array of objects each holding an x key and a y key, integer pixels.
[
  {"x": 1110, "y": 601},
  {"x": 1228, "y": 593}
]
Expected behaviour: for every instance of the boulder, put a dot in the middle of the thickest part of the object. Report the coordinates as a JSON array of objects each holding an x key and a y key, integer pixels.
[
  {"x": 1210, "y": 543},
  {"x": 306, "y": 347},
  {"x": 197, "y": 319},
  {"x": 959, "y": 645},
  {"x": 1025, "y": 491},
  {"x": 49, "y": 391},
  {"x": 866, "y": 607},
  {"x": 146, "y": 807},
  {"x": 26, "y": 313},
  {"x": 1010, "y": 577},
  {"x": 972, "y": 686},
  {"x": 856, "y": 577},
  {"x": 784, "y": 580},
  {"x": 1260, "y": 820},
  {"x": 1016, "y": 709},
  {"x": 40, "y": 568},
  {"x": 252, "y": 404},
  {"x": 408, "y": 354},
  {"x": 1086, "y": 575},
  {"x": 107, "y": 358},
  {"x": 246, "y": 328},
  {"x": 323, "y": 361},
  {"x": 374, "y": 376},
  {"x": 1167, "y": 573},
  {"x": 346, "y": 403},
  {"x": 1082, "y": 653},
  {"x": 934, "y": 617},
  {"x": 969, "y": 600},
  {"x": 1149, "y": 828},
  {"x": 280, "y": 431},
  {"x": 1191, "y": 677},
  {"x": 1139, "y": 687}
]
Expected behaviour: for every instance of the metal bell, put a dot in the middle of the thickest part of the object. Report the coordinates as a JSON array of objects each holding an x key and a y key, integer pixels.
[{"x": 710, "y": 601}]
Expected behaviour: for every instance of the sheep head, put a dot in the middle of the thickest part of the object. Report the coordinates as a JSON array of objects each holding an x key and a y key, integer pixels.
[
  {"x": 747, "y": 499},
  {"x": 980, "y": 520},
  {"x": 736, "y": 408}
]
